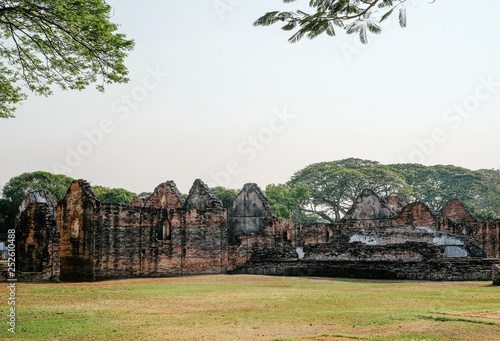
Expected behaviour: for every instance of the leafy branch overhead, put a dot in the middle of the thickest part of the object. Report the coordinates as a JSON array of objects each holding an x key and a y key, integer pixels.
[
  {"x": 352, "y": 16},
  {"x": 70, "y": 43}
]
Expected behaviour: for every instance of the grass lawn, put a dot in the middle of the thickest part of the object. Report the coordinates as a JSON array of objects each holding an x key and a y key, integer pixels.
[{"x": 243, "y": 307}]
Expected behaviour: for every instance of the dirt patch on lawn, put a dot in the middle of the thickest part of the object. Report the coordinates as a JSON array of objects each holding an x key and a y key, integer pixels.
[{"x": 487, "y": 315}]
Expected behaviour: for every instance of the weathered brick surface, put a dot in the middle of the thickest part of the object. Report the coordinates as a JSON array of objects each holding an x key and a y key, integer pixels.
[
  {"x": 369, "y": 209},
  {"x": 37, "y": 239},
  {"x": 456, "y": 211},
  {"x": 486, "y": 234},
  {"x": 456, "y": 218},
  {"x": 162, "y": 235},
  {"x": 104, "y": 240},
  {"x": 200, "y": 197},
  {"x": 415, "y": 214},
  {"x": 395, "y": 203},
  {"x": 124, "y": 238},
  {"x": 304, "y": 234},
  {"x": 75, "y": 221},
  {"x": 250, "y": 213},
  {"x": 205, "y": 250},
  {"x": 433, "y": 270},
  {"x": 165, "y": 195}
]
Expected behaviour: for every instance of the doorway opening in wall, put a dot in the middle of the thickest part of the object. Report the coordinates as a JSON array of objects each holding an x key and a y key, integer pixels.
[
  {"x": 164, "y": 230},
  {"x": 287, "y": 235}
]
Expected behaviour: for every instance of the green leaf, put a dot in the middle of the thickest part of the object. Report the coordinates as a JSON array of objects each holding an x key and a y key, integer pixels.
[
  {"x": 362, "y": 35},
  {"x": 386, "y": 15},
  {"x": 402, "y": 17},
  {"x": 373, "y": 28}
]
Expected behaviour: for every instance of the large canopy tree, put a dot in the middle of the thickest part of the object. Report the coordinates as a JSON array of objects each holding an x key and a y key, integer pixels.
[
  {"x": 436, "y": 185},
  {"x": 333, "y": 186},
  {"x": 70, "y": 43},
  {"x": 352, "y": 16}
]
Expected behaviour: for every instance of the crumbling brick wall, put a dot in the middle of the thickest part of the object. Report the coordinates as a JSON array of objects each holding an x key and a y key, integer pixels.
[
  {"x": 457, "y": 211},
  {"x": 368, "y": 209},
  {"x": 395, "y": 203},
  {"x": 164, "y": 195},
  {"x": 105, "y": 240},
  {"x": 37, "y": 238},
  {"x": 415, "y": 214},
  {"x": 75, "y": 221},
  {"x": 456, "y": 218},
  {"x": 460, "y": 269},
  {"x": 165, "y": 235},
  {"x": 486, "y": 234},
  {"x": 125, "y": 239}
]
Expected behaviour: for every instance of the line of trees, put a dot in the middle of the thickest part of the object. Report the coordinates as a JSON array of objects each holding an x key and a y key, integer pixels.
[
  {"x": 328, "y": 189},
  {"x": 319, "y": 192}
]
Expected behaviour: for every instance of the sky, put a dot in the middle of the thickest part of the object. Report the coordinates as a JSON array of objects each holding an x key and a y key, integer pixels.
[{"x": 213, "y": 97}]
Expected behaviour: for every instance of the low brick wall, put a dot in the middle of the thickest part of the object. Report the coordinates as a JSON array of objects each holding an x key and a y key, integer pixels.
[{"x": 435, "y": 270}]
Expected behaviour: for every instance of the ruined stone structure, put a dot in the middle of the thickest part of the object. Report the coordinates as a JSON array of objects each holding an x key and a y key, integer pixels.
[
  {"x": 496, "y": 274},
  {"x": 38, "y": 238},
  {"x": 83, "y": 239}
]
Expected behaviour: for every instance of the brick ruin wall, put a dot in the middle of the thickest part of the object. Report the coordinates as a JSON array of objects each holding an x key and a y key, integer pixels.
[
  {"x": 165, "y": 235},
  {"x": 371, "y": 241},
  {"x": 38, "y": 242},
  {"x": 105, "y": 240},
  {"x": 146, "y": 242}
]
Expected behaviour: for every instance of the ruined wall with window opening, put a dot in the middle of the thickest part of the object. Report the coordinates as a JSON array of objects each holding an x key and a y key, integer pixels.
[{"x": 164, "y": 235}]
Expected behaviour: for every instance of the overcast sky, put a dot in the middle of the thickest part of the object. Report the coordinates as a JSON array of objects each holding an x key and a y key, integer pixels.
[{"x": 215, "y": 98}]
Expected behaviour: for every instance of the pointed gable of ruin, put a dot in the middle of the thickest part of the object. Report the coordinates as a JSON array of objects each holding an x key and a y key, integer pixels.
[
  {"x": 395, "y": 203},
  {"x": 251, "y": 202},
  {"x": 457, "y": 211},
  {"x": 165, "y": 195},
  {"x": 201, "y": 197},
  {"x": 42, "y": 196},
  {"x": 415, "y": 214},
  {"x": 80, "y": 190},
  {"x": 38, "y": 237},
  {"x": 369, "y": 206}
]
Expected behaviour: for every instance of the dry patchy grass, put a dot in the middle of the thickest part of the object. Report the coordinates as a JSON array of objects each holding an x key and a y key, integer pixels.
[{"x": 243, "y": 307}]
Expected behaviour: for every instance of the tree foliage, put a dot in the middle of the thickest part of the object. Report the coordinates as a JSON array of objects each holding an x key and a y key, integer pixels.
[
  {"x": 352, "y": 16},
  {"x": 8, "y": 212},
  {"x": 333, "y": 186},
  {"x": 69, "y": 43},
  {"x": 436, "y": 185},
  {"x": 288, "y": 202},
  {"x": 16, "y": 188},
  {"x": 113, "y": 195},
  {"x": 226, "y": 195}
]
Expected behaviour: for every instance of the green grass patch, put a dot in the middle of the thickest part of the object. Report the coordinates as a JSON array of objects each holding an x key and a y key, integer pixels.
[{"x": 255, "y": 308}]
